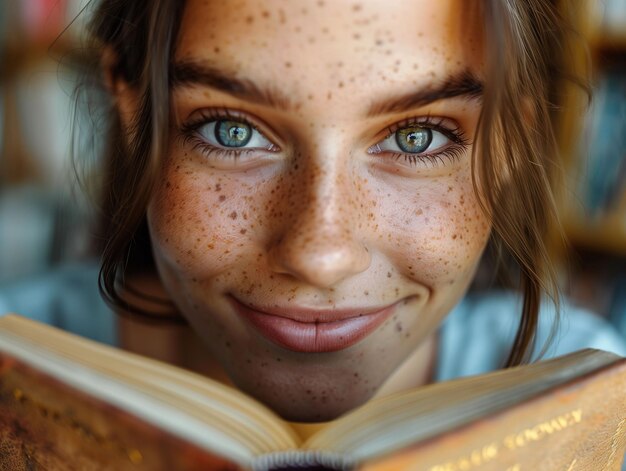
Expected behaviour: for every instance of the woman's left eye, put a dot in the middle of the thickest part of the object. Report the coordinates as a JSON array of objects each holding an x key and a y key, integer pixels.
[
  {"x": 232, "y": 134},
  {"x": 414, "y": 139}
]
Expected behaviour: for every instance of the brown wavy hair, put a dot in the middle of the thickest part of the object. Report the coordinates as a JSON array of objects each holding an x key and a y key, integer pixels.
[{"x": 516, "y": 166}]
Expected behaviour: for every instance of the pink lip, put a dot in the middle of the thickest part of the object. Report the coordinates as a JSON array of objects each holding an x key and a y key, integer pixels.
[{"x": 314, "y": 331}]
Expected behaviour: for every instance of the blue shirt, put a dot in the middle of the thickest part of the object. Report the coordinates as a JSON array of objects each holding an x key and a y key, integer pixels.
[{"x": 477, "y": 335}]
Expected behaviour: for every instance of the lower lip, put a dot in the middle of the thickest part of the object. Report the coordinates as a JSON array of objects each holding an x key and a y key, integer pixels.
[{"x": 314, "y": 337}]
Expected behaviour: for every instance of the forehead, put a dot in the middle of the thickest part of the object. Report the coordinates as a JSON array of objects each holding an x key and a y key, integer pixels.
[{"x": 305, "y": 46}]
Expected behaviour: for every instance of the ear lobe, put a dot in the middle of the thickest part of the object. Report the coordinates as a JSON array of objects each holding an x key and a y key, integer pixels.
[{"x": 124, "y": 95}]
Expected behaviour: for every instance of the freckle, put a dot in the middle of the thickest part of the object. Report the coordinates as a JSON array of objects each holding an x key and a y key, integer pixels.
[
  {"x": 222, "y": 198},
  {"x": 399, "y": 327},
  {"x": 282, "y": 18},
  {"x": 288, "y": 64},
  {"x": 340, "y": 84},
  {"x": 249, "y": 19},
  {"x": 216, "y": 50},
  {"x": 366, "y": 293},
  {"x": 243, "y": 231},
  {"x": 210, "y": 246},
  {"x": 218, "y": 187},
  {"x": 329, "y": 96},
  {"x": 265, "y": 14},
  {"x": 357, "y": 7},
  {"x": 356, "y": 36}
]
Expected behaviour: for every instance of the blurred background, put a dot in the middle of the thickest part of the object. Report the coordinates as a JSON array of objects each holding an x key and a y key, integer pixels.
[
  {"x": 43, "y": 212},
  {"x": 46, "y": 219}
]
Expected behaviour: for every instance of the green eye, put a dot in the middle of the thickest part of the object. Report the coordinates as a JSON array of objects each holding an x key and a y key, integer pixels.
[
  {"x": 414, "y": 139},
  {"x": 232, "y": 133}
]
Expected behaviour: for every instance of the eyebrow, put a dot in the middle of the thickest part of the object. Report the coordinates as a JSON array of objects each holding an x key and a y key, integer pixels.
[
  {"x": 464, "y": 84},
  {"x": 189, "y": 73},
  {"x": 193, "y": 73}
]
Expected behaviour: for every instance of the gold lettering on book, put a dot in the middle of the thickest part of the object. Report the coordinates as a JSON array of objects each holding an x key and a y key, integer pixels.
[
  {"x": 618, "y": 436},
  {"x": 489, "y": 452},
  {"x": 543, "y": 429},
  {"x": 474, "y": 459}
]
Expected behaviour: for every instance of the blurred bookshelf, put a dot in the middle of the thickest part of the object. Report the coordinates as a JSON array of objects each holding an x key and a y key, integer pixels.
[
  {"x": 594, "y": 215},
  {"x": 594, "y": 155},
  {"x": 42, "y": 213}
]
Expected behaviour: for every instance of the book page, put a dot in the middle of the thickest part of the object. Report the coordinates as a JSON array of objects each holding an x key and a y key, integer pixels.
[{"x": 166, "y": 395}]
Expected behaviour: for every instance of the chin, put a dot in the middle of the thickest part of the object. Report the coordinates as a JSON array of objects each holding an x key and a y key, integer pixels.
[
  {"x": 310, "y": 413},
  {"x": 309, "y": 406}
]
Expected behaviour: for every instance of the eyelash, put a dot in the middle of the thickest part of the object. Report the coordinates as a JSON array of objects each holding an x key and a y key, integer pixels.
[
  {"x": 451, "y": 152},
  {"x": 190, "y": 135}
]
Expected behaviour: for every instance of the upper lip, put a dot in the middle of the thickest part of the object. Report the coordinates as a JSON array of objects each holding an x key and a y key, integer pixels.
[{"x": 309, "y": 315}]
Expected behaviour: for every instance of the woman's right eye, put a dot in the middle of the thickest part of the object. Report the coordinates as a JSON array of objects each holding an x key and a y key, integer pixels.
[
  {"x": 233, "y": 134},
  {"x": 226, "y": 137}
]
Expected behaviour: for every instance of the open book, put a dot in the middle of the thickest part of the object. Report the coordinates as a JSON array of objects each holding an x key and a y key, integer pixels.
[{"x": 67, "y": 403}]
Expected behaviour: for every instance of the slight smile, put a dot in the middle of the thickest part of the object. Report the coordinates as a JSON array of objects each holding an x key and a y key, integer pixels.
[{"x": 314, "y": 331}]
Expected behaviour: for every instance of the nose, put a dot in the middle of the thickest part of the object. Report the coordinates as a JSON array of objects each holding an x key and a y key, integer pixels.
[{"x": 320, "y": 243}]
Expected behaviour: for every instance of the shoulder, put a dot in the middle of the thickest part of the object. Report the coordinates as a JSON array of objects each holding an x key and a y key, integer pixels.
[
  {"x": 478, "y": 334},
  {"x": 67, "y": 297}
]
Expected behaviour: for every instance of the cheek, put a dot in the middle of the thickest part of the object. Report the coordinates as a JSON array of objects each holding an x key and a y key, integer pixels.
[
  {"x": 435, "y": 232},
  {"x": 201, "y": 223}
]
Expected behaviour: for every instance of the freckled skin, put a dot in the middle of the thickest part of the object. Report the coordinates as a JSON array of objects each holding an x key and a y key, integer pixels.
[{"x": 321, "y": 222}]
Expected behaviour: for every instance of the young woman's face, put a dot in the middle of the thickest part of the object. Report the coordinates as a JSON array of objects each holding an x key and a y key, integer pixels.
[{"x": 316, "y": 218}]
